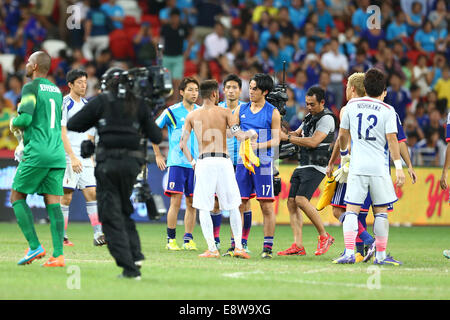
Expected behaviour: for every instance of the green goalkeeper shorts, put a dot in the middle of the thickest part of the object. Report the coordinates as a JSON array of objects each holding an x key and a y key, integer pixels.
[{"x": 30, "y": 180}]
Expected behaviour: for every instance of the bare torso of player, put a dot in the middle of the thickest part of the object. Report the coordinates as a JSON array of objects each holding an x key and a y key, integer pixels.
[{"x": 210, "y": 125}]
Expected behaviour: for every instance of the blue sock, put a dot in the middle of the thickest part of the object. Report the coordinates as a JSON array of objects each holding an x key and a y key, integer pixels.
[
  {"x": 217, "y": 221},
  {"x": 365, "y": 236},
  {"x": 268, "y": 243},
  {"x": 246, "y": 225},
  {"x": 187, "y": 237},
  {"x": 171, "y": 234}
]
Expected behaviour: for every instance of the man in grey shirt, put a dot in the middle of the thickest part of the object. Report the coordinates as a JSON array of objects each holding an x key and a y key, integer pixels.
[{"x": 314, "y": 136}]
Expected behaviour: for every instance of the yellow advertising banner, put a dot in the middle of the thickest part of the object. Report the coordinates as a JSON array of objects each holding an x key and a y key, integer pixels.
[{"x": 419, "y": 204}]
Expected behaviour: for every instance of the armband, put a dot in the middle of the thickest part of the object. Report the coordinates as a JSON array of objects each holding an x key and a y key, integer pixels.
[{"x": 235, "y": 128}]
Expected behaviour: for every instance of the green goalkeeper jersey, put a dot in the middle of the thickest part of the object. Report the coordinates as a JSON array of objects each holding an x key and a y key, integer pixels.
[{"x": 43, "y": 146}]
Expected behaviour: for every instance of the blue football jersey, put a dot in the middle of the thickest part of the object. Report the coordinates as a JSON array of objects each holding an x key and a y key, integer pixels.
[
  {"x": 174, "y": 117},
  {"x": 261, "y": 122}
]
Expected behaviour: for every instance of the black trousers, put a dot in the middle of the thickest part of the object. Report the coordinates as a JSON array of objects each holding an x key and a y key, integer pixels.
[{"x": 115, "y": 180}]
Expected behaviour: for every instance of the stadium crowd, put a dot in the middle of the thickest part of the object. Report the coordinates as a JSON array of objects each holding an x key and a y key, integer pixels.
[{"x": 322, "y": 41}]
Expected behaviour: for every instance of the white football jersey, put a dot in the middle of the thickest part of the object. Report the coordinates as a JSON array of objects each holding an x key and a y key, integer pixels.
[
  {"x": 71, "y": 107},
  {"x": 369, "y": 120}
]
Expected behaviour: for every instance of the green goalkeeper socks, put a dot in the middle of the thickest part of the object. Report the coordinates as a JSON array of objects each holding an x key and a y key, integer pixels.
[
  {"x": 56, "y": 227},
  {"x": 26, "y": 222}
]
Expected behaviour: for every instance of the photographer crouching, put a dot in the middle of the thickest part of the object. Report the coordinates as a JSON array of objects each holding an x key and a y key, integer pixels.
[{"x": 122, "y": 119}]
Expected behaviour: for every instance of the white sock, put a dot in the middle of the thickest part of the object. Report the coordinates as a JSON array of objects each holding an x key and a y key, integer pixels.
[
  {"x": 350, "y": 228},
  {"x": 65, "y": 212},
  {"x": 91, "y": 208},
  {"x": 236, "y": 226},
  {"x": 207, "y": 229},
  {"x": 381, "y": 231}
]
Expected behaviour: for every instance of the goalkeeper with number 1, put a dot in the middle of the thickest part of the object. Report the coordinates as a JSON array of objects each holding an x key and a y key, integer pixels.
[{"x": 42, "y": 164}]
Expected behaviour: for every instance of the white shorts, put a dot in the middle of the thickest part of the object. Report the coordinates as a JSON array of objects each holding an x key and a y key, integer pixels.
[
  {"x": 380, "y": 188},
  {"x": 215, "y": 176},
  {"x": 82, "y": 180}
]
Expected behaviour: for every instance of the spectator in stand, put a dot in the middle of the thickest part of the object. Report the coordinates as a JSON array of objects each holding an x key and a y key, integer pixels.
[
  {"x": 208, "y": 13},
  {"x": 173, "y": 34},
  {"x": 325, "y": 20},
  {"x": 263, "y": 23},
  {"x": 360, "y": 63},
  {"x": 298, "y": 12},
  {"x": 427, "y": 151},
  {"x": 397, "y": 96},
  {"x": 313, "y": 69},
  {"x": 408, "y": 70},
  {"x": 397, "y": 29},
  {"x": 421, "y": 75},
  {"x": 33, "y": 30},
  {"x": 407, "y": 5},
  {"x": 10, "y": 13},
  {"x": 115, "y": 12},
  {"x": 347, "y": 41},
  {"x": 272, "y": 32},
  {"x": 414, "y": 20},
  {"x": 387, "y": 14},
  {"x": 188, "y": 11},
  {"x": 268, "y": 7},
  {"x": 92, "y": 81},
  {"x": 373, "y": 36},
  {"x": 442, "y": 86},
  {"x": 96, "y": 31},
  {"x": 285, "y": 25},
  {"x": 422, "y": 117},
  {"x": 216, "y": 44},
  {"x": 337, "y": 65},
  {"x": 388, "y": 64},
  {"x": 102, "y": 62},
  {"x": 75, "y": 35},
  {"x": 263, "y": 58},
  {"x": 164, "y": 13},
  {"x": 280, "y": 52},
  {"x": 7, "y": 110},
  {"x": 414, "y": 92},
  {"x": 309, "y": 34},
  {"x": 398, "y": 50},
  {"x": 14, "y": 89},
  {"x": 436, "y": 123},
  {"x": 145, "y": 45},
  {"x": 440, "y": 16},
  {"x": 292, "y": 106},
  {"x": 436, "y": 68},
  {"x": 359, "y": 17},
  {"x": 299, "y": 87},
  {"x": 426, "y": 38},
  {"x": 324, "y": 83}
]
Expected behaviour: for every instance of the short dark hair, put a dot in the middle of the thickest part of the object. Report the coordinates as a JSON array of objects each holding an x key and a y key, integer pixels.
[
  {"x": 233, "y": 77},
  {"x": 263, "y": 81},
  {"x": 207, "y": 88},
  {"x": 374, "y": 82},
  {"x": 317, "y": 91},
  {"x": 75, "y": 74},
  {"x": 186, "y": 81},
  {"x": 175, "y": 12}
]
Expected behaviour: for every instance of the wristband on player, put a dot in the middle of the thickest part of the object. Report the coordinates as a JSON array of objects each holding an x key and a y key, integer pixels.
[
  {"x": 344, "y": 152},
  {"x": 193, "y": 162},
  {"x": 398, "y": 164},
  {"x": 289, "y": 138}
]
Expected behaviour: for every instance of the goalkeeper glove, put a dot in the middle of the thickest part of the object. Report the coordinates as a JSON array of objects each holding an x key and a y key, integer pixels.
[{"x": 341, "y": 174}]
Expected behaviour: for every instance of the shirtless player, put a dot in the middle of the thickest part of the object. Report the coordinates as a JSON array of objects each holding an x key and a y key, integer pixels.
[{"x": 214, "y": 173}]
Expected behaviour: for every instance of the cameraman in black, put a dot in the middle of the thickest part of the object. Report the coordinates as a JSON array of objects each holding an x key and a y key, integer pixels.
[
  {"x": 122, "y": 120},
  {"x": 314, "y": 136}
]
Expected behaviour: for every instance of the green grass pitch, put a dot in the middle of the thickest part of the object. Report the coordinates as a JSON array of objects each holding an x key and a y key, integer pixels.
[{"x": 91, "y": 273}]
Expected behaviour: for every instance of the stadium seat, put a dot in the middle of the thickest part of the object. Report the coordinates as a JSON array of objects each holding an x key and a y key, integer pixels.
[
  {"x": 120, "y": 44},
  {"x": 7, "y": 62},
  {"x": 152, "y": 19},
  {"x": 130, "y": 22},
  {"x": 53, "y": 47},
  {"x": 131, "y": 8}
]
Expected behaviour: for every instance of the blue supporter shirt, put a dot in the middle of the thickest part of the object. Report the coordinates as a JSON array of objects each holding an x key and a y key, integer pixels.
[
  {"x": 174, "y": 117},
  {"x": 99, "y": 22},
  {"x": 261, "y": 122},
  {"x": 426, "y": 40},
  {"x": 395, "y": 31},
  {"x": 233, "y": 144},
  {"x": 114, "y": 11},
  {"x": 325, "y": 20}
]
